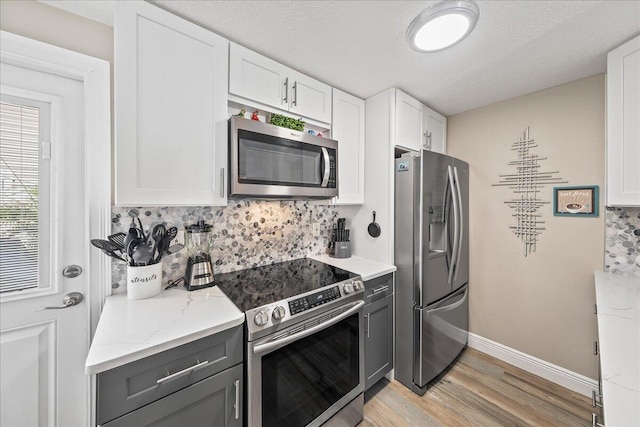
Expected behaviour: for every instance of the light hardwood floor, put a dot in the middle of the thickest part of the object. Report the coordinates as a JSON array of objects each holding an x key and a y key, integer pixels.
[{"x": 479, "y": 390}]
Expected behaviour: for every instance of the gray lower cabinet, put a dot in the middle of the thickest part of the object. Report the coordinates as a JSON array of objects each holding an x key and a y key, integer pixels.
[
  {"x": 195, "y": 384},
  {"x": 378, "y": 319},
  {"x": 212, "y": 402}
]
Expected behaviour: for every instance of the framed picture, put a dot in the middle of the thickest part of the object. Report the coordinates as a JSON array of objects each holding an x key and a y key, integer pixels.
[{"x": 575, "y": 201}]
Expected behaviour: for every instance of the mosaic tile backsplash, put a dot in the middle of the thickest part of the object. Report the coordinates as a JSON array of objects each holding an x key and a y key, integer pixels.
[
  {"x": 245, "y": 233},
  {"x": 622, "y": 241}
]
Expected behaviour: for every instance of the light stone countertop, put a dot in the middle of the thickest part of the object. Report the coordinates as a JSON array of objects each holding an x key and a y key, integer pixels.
[
  {"x": 130, "y": 330},
  {"x": 618, "y": 306},
  {"x": 364, "y": 267}
]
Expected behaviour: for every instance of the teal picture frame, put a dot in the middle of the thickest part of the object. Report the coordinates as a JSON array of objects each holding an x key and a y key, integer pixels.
[{"x": 577, "y": 202}]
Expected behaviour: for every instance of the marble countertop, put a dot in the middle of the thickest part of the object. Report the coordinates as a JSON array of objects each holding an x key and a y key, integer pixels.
[
  {"x": 130, "y": 330},
  {"x": 364, "y": 267},
  {"x": 618, "y": 306}
]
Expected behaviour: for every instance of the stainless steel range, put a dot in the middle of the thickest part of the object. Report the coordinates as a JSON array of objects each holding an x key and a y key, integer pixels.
[{"x": 305, "y": 342}]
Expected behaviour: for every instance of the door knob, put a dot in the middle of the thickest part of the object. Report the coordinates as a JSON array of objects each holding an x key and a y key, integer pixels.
[{"x": 70, "y": 299}]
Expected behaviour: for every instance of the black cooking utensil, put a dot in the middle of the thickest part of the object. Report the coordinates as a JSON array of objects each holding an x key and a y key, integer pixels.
[
  {"x": 105, "y": 245},
  {"x": 374, "y": 228},
  {"x": 118, "y": 239},
  {"x": 142, "y": 254},
  {"x": 114, "y": 255},
  {"x": 158, "y": 234},
  {"x": 133, "y": 234},
  {"x": 173, "y": 249},
  {"x": 144, "y": 236},
  {"x": 166, "y": 241}
]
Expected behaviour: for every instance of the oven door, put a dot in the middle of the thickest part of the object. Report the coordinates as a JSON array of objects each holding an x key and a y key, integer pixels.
[{"x": 305, "y": 374}]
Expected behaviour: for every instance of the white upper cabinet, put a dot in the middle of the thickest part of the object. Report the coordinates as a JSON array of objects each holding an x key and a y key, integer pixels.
[
  {"x": 257, "y": 78},
  {"x": 170, "y": 109},
  {"x": 348, "y": 129},
  {"x": 418, "y": 126},
  {"x": 435, "y": 125},
  {"x": 623, "y": 125},
  {"x": 409, "y": 123}
]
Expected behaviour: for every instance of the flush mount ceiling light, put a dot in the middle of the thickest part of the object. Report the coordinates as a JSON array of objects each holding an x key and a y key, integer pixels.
[{"x": 443, "y": 25}]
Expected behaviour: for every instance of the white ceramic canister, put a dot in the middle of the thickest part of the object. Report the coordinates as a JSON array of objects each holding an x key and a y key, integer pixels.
[{"x": 144, "y": 281}]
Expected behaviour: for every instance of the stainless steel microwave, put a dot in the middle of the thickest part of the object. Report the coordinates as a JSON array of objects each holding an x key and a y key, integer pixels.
[{"x": 271, "y": 162}]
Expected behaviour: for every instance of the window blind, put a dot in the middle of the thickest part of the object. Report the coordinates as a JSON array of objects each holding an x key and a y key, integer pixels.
[{"x": 19, "y": 194}]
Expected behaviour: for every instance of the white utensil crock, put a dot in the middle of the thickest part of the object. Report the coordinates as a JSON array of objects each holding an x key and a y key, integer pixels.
[{"x": 144, "y": 282}]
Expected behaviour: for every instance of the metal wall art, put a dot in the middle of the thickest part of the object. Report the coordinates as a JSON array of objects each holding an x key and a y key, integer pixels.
[{"x": 526, "y": 183}]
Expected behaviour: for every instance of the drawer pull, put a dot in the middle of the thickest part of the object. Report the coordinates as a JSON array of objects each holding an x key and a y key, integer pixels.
[
  {"x": 186, "y": 371},
  {"x": 384, "y": 288}
]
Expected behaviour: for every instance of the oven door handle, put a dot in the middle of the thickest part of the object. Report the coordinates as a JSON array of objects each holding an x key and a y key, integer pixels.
[{"x": 261, "y": 348}]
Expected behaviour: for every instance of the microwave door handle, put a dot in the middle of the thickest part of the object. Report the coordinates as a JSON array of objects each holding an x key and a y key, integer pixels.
[{"x": 327, "y": 167}]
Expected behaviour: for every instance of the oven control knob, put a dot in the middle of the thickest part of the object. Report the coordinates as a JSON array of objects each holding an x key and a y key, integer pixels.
[
  {"x": 357, "y": 285},
  {"x": 278, "y": 313},
  {"x": 261, "y": 318},
  {"x": 348, "y": 288}
]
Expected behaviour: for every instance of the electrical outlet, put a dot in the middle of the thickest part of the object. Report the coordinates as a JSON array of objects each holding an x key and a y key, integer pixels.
[
  {"x": 316, "y": 230},
  {"x": 179, "y": 239}
]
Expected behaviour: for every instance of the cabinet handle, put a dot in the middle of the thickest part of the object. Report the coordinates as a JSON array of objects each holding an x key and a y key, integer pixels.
[
  {"x": 594, "y": 421},
  {"x": 595, "y": 348},
  {"x": 427, "y": 143},
  {"x": 366, "y": 316},
  {"x": 222, "y": 176},
  {"x": 286, "y": 90},
  {"x": 295, "y": 94},
  {"x": 381, "y": 289},
  {"x": 186, "y": 371},
  {"x": 595, "y": 308},
  {"x": 594, "y": 399},
  {"x": 236, "y": 405}
]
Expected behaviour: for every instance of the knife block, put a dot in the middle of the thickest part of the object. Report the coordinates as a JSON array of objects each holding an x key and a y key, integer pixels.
[{"x": 341, "y": 250}]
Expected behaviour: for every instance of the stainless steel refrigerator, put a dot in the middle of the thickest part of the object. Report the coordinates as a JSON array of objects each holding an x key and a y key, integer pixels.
[{"x": 432, "y": 258}]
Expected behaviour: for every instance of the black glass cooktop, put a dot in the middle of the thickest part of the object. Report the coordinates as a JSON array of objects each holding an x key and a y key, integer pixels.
[{"x": 267, "y": 284}]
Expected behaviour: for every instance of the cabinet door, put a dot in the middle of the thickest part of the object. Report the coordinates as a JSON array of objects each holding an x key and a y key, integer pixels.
[
  {"x": 623, "y": 124},
  {"x": 378, "y": 345},
  {"x": 435, "y": 125},
  {"x": 347, "y": 127},
  {"x": 215, "y": 401},
  {"x": 409, "y": 133},
  {"x": 309, "y": 98},
  {"x": 258, "y": 78},
  {"x": 170, "y": 109}
]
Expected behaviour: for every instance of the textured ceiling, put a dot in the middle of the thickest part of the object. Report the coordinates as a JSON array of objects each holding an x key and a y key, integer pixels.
[{"x": 516, "y": 48}]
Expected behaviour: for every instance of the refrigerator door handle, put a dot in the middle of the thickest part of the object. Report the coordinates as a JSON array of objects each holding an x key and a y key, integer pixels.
[
  {"x": 451, "y": 306},
  {"x": 456, "y": 225},
  {"x": 460, "y": 221}
]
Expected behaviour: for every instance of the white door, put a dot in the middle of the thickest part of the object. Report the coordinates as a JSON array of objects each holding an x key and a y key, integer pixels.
[
  {"x": 435, "y": 126},
  {"x": 171, "y": 92},
  {"x": 309, "y": 97},
  {"x": 347, "y": 127},
  {"x": 258, "y": 78},
  {"x": 43, "y": 226},
  {"x": 409, "y": 133}
]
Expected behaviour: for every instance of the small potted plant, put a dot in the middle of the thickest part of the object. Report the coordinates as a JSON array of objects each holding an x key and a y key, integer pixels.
[{"x": 287, "y": 122}]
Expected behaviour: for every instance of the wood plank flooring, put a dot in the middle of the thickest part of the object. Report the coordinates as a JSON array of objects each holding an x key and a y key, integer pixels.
[{"x": 479, "y": 390}]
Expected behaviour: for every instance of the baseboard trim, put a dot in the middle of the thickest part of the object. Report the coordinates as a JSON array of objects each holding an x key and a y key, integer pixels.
[{"x": 548, "y": 371}]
